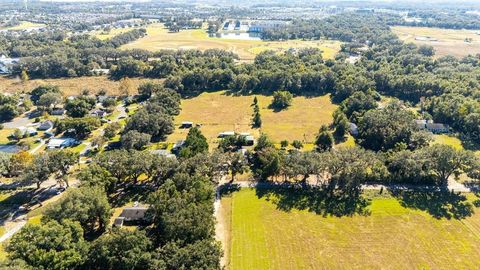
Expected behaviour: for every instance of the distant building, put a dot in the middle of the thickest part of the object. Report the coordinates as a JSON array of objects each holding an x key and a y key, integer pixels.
[
  {"x": 262, "y": 26},
  {"x": 163, "y": 152},
  {"x": 98, "y": 113},
  {"x": 6, "y": 64},
  {"x": 186, "y": 125},
  {"x": 226, "y": 134},
  {"x": 58, "y": 112},
  {"x": 436, "y": 128},
  {"x": 27, "y": 131},
  {"x": 177, "y": 146},
  {"x": 60, "y": 143}
]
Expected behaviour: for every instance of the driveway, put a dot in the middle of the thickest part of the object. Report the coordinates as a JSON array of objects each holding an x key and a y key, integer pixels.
[{"x": 17, "y": 122}]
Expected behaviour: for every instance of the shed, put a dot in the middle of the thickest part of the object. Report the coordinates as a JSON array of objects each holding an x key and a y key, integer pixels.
[
  {"x": 353, "y": 128},
  {"x": 186, "y": 124},
  {"x": 249, "y": 140},
  {"x": 226, "y": 134},
  {"x": 437, "y": 128}
]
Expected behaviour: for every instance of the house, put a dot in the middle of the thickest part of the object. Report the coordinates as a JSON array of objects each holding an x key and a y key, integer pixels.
[
  {"x": 163, "y": 152},
  {"x": 58, "y": 111},
  {"x": 186, "y": 125},
  {"x": 437, "y": 128},
  {"x": 262, "y": 26},
  {"x": 60, "y": 143},
  {"x": 46, "y": 125},
  {"x": 177, "y": 146},
  {"x": 226, "y": 134},
  {"x": 6, "y": 64},
  {"x": 353, "y": 128},
  {"x": 432, "y": 127},
  {"x": 98, "y": 113},
  {"x": 100, "y": 71},
  {"x": 249, "y": 140},
  {"x": 131, "y": 214},
  {"x": 27, "y": 131}
]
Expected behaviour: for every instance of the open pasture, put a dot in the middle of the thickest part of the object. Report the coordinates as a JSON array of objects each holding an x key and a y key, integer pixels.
[
  {"x": 445, "y": 41},
  {"x": 159, "y": 38},
  {"x": 69, "y": 86},
  {"x": 218, "y": 112},
  {"x": 394, "y": 235},
  {"x": 24, "y": 25}
]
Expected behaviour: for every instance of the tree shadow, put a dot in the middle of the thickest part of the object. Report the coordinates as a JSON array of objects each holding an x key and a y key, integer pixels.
[
  {"x": 320, "y": 200},
  {"x": 130, "y": 193},
  {"x": 440, "y": 203},
  {"x": 227, "y": 189}
]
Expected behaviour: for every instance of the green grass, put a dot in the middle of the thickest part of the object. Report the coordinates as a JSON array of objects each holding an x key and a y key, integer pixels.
[
  {"x": 448, "y": 140},
  {"x": 392, "y": 236}
]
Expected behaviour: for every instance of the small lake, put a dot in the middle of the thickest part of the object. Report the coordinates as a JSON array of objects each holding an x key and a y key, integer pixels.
[{"x": 239, "y": 36}]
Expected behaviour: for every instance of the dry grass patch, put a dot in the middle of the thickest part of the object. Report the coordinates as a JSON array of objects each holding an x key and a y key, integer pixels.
[
  {"x": 448, "y": 41},
  {"x": 159, "y": 38},
  {"x": 218, "y": 112},
  {"x": 24, "y": 25},
  {"x": 70, "y": 86}
]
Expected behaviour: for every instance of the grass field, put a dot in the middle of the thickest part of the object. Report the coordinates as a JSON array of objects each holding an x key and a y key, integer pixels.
[
  {"x": 448, "y": 41},
  {"x": 69, "y": 86},
  {"x": 260, "y": 236},
  {"x": 448, "y": 140},
  {"x": 24, "y": 25},
  {"x": 103, "y": 35},
  {"x": 219, "y": 112},
  {"x": 159, "y": 38}
]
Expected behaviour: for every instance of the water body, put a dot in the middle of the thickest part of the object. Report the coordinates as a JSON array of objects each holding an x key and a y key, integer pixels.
[{"x": 238, "y": 36}]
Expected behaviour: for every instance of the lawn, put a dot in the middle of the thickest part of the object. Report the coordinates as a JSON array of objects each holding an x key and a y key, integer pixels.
[
  {"x": 448, "y": 41},
  {"x": 159, "y": 38},
  {"x": 218, "y": 112},
  {"x": 448, "y": 140},
  {"x": 261, "y": 236},
  {"x": 69, "y": 86}
]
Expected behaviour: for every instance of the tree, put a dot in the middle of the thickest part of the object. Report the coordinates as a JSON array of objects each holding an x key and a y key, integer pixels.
[
  {"x": 158, "y": 124},
  {"x": 237, "y": 164},
  {"x": 42, "y": 90},
  {"x": 19, "y": 162},
  {"x": 182, "y": 208},
  {"x": 60, "y": 162},
  {"x": 341, "y": 126},
  {"x": 111, "y": 130},
  {"x": 120, "y": 249},
  {"x": 281, "y": 100},
  {"x": 96, "y": 176},
  {"x": 324, "y": 141},
  {"x": 24, "y": 76},
  {"x": 126, "y": 87},
  {"x": 38, "y": 171},
  {"x": 81, "y": 126},
  {"x": 284, "y": 144},
  {"x": 135, "y": 140},
  {"x": 443, "y": 160},
  {"x": 52, "y": 245},
  {"x": 256, "y": 119},
  {"x": 297, "y": 144},
  {"x": 80, "y": 106},
  {"x": 383, "y": 129},
  {"x": 203, "y": 254},
  {"x": 49, "y": 100},
  {"x": 147, "y": 89},
  {"x": 89, "y": 206},
  {"x": 195, "y": 143}
]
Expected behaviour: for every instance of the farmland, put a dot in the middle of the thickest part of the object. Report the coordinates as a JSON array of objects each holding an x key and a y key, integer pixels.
[
  {"x": 445, "y": 41},
  {"x": 218, "y": 112},
  {"x": 392, "y": 236},
  {"x": 159, "y": 38},
  {"x": 68, "y": 86}
]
